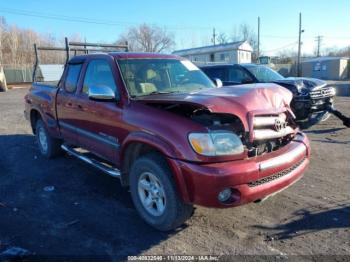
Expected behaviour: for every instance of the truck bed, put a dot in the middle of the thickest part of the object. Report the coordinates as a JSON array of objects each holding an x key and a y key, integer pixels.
[{"x": 42, "y": 97}]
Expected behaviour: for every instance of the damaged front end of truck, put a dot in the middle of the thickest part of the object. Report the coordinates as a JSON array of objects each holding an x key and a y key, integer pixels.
[{"x": 259, "y": 115}]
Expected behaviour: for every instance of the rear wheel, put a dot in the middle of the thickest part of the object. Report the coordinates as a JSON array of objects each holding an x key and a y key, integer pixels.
[
  {"x": 154, "y": 194},
  {"x": 48, "y": 146}
]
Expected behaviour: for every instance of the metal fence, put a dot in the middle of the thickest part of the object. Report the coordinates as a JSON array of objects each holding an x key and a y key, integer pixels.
[{"x": 18, "y": 73}]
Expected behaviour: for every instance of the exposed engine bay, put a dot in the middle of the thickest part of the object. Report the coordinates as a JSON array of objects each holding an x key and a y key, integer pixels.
[{"x": 267, "y": 139}]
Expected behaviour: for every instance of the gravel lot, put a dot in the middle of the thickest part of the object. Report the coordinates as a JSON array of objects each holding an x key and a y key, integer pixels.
[{"x": 64, "y": 207}]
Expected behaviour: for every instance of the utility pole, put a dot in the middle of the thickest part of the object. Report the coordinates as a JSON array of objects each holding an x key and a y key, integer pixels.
[
  {"x": 258, "y": 53},
  {"x": 214, "y": 37},
  {"x": 319, "y": 41},
  {"x": 299, "y": 48}
]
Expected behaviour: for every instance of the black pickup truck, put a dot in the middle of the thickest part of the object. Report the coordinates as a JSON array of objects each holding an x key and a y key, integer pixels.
[{"x": 313, "y": 99}]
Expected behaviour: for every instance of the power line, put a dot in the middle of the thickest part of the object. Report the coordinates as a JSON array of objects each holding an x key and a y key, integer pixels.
[
  {"x": 84, "y": 19},
  {"x": 275, "y": 36},
  {"x": 337, "y": 37},
  {"x": 282, "y": 47}
]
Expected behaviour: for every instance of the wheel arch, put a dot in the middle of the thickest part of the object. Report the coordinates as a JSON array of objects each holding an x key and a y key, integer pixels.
[
  {"x": 140, "y": 143},
  {"x": 34, "y": 115}
]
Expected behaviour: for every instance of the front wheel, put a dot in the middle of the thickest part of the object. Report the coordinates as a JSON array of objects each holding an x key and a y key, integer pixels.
[{"x": 154, "y": 194}]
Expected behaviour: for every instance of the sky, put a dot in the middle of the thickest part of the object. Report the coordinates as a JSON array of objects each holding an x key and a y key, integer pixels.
[{"x": 190, "y": 21}]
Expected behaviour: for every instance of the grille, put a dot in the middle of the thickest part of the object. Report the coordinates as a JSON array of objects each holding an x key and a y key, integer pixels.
[
  {"x": 322, "y": 93},
  {"x": 276, "y": 175},
  {"x": 271, "y": 126}
]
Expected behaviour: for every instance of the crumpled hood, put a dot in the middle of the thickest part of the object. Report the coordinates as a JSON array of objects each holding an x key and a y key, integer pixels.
[
  {"x": 237, "y": 100},
  {"x": 311, "y": 84}
]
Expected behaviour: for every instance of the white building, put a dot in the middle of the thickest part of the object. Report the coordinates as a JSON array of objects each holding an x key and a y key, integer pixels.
[
  {"x": 328, "y": 68},
  {"x": 234, "y": 53}
]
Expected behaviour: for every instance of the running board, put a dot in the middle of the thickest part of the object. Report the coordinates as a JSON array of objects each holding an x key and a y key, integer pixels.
[{"x": 108, "y": 170}]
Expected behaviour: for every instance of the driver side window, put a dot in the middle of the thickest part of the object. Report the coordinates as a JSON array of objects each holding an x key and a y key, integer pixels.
[
  {"x": 98, "y": 73},
  {"x": 238, "y": 75}
]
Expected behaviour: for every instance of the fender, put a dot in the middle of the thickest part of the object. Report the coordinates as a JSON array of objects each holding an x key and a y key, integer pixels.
[
  {"x": 49, "y": 121},
  {"x": 165, "y": 148},
  {"x": 150, "y": 139}
]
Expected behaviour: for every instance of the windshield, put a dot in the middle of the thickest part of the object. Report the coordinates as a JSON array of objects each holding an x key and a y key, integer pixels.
[
  {"x": 264, "y": 74},
  {"x": 157, "y": 76}
]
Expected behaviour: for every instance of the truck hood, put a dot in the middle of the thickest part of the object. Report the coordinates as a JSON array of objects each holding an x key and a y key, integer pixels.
[
  {"x": 239, "y": 100},
  {"x": 311, "y": 84}
]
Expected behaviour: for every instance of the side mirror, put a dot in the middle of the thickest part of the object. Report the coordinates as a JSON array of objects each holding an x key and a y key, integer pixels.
[
  {"x": 101, "y": 93},
  {"x": 247, "y": 81},
  {"x": 217, "y": 82}
]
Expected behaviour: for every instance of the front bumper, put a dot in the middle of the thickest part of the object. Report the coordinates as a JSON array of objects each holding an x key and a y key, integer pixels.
[
  {"x": 314, "y": 106},
  {"x": 251, "y": 179}
]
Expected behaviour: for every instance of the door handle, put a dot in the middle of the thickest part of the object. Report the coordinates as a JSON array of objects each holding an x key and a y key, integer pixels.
[{"x": 80, "y": 107}]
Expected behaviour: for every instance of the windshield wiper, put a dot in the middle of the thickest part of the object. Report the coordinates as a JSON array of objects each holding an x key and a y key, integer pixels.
[{"x": 160, "y": 93}]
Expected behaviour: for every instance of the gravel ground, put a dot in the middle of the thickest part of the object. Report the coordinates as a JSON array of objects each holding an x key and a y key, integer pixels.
[{"x": 64, "y": 207}]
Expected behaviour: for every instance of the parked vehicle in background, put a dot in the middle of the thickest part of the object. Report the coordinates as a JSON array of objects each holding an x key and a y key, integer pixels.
[
  {"x": 3, "y": 84},
  {"x": 313, "y": 99},
  {"x": 159, "y": 124}
]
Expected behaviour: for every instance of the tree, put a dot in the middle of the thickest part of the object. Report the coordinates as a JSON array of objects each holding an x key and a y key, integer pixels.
[
  {"x": 246, "y": 33},
  {"x": 222, "y": 38},
  {"x": 287, "y": 56},
  {"x": 148, "y": 38}
]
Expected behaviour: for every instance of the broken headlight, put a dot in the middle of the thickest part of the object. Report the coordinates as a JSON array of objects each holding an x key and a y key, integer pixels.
[
  {"x": 217, "y": 143},
  {"x": 302, "y": 90}
]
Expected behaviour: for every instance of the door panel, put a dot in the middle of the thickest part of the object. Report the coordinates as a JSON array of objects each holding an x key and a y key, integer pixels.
[
  {"x": 98, "y": 123},
  {"x": 97, "y": 127},
  {"x": 65, "y": 104}
]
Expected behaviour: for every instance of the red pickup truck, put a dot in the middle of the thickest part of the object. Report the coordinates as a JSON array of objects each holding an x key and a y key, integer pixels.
[{"x": 160, "y": 125}]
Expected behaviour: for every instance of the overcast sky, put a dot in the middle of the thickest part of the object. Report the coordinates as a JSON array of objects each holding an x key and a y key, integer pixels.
[{"x": 191, "y": 21}]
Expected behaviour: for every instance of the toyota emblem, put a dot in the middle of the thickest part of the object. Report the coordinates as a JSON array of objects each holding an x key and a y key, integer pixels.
[{"x": 279, "y": 125}]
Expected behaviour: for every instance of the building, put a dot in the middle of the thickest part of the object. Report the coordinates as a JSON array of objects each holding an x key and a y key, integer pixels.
[
  {"x": 327, "y": 68},
  {"x": 49, "y": 72},
  {"x": 236, "y": 52}
]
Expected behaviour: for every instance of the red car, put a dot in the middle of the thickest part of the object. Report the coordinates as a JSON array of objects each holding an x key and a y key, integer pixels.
[{"x": 160, "y": 125}]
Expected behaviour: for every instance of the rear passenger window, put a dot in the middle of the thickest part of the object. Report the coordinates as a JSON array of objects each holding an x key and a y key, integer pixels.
[
  {"x": 98, "y": 73},
  {"x": 72, "y": 78}
]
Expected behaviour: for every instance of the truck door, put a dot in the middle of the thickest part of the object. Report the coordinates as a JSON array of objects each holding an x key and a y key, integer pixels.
[
  {"x": 98, "y": 125},
  {"x": 65, "y": 103}
]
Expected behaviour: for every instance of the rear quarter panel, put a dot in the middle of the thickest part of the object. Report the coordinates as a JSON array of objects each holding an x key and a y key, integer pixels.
[{"x": 42, "y": 99}]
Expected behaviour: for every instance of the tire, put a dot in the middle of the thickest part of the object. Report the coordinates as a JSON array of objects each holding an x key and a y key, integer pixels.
[
  {"x": 3, "y": 87},
  {"x": 49, "y": 147},
  {"x": 175, "y": 211}
]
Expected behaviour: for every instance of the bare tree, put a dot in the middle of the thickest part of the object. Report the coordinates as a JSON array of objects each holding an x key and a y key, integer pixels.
[
  {"x": 248, "y": 34},
  {"x": 244, "y": 33},
  {"x": 222, "y": 38},
  {"x": 148, "y": 38},
  {"x": 335, "y": 51},
  {"x": 287, "y": 56},
  {"x": 16, "y": 46}
]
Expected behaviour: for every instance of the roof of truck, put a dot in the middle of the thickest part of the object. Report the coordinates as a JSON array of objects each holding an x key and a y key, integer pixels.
[{"x": 124, "y": 55}]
